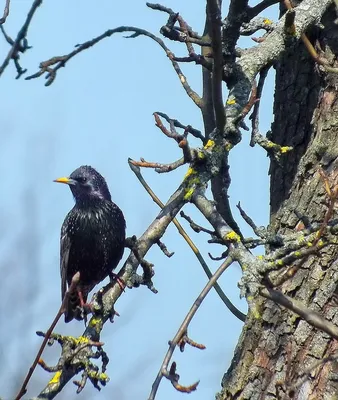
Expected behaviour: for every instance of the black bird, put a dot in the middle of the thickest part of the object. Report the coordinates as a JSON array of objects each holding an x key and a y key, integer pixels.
[{"x": 92, "y": 237}]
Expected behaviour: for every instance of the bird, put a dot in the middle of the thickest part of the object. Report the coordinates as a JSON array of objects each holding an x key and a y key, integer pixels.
[{"x": 92, "y": 238}]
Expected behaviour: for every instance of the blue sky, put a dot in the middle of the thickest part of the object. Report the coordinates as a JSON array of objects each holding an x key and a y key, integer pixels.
[{"x": 99, "y": 112}]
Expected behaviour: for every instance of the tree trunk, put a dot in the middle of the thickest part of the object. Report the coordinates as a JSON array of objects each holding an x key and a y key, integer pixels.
[{"x": 276, "y": 345}]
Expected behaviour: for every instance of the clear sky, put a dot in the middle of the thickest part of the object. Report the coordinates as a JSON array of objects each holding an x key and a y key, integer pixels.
[{"x": 99, "y": 112}]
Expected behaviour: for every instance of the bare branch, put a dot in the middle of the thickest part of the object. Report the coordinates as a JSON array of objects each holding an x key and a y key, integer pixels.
[
  {"x": 184, "y": 326},
  {"x": 75, "y": 281},
  {"x": 51, "y": 66},
  {"x": 257, "y": 9},
  {"x": 215, "y": 22},
  {"x": 16, "y": 47},
  {"x": 259, "y": 231},
  {"x": 234, "y": 310},
  {"x": 314, "y": 318},
  {"x": 177, "y": 124},
  {"x": 5, "y": 13},
  {"x": 255, "y": 114},
  {"x": 160, "y": 168}
]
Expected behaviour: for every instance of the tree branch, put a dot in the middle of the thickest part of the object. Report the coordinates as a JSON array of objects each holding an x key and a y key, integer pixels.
[
  {"x": 16, "y": 47},
  {"x": 5, "y": 13},
  {"x": 51, "y": 66},
  {"x": 184, "y": 326}
]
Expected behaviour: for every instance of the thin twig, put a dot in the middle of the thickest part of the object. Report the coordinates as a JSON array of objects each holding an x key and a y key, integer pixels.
[
  {"x": 252, "y": 100},
  {"x": 259, "y": 231},
  {"x": 75, "y": 281},
  {"x": 52, "y": 65},
  {"x": 255, "y": 113},
  {"x": 160, "y": 168},
  {"x": 195, "y": 227},
  {"x": 187, "y": 128},
  {"x": 5, "y": 13},
  {"x": 184, "y": 326},
  {"x": 12, "y": 54},
  {"x": 164, "y": 249},
  {"x": 254, "y": 11}
]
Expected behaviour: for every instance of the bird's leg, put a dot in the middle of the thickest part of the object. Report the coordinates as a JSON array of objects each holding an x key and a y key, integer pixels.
[
  {"x": 79, "y": 293},
  {"x": 85, "y": 307},
  {"x": 114, "y": 277}
]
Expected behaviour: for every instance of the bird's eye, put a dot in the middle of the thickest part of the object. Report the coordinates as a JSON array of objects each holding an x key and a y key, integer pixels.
[{"x": 82, "y": 179}]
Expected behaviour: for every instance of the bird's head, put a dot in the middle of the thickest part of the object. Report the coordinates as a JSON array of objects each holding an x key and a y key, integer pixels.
[{"x": 87, "y": 185}]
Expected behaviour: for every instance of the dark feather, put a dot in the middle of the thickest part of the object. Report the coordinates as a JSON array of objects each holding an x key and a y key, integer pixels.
[{"x": 92, "y": 237}]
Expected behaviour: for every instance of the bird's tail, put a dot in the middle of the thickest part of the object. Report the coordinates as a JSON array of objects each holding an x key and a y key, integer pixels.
[{"x": 73, "y": 307}]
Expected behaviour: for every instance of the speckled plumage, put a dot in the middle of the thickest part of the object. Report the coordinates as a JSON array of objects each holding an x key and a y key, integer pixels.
[{"x": 92, "y": 236}]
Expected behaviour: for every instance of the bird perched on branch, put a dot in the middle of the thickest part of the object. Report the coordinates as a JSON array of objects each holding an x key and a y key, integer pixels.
[{"x": 92, "y": 237}]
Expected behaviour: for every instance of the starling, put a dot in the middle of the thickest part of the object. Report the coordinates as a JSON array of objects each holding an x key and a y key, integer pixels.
[{"x": 92, "y": 237}]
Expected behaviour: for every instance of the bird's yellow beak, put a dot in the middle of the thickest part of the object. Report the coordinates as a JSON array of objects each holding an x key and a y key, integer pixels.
[{"x": 65, "y": 180}]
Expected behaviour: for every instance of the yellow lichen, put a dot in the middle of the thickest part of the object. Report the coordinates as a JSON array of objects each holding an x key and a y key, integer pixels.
[
  {"x": 301, "y": 240},
  {"x": 81, "y": 340},
  {"x": 188, "y": 194},
  {"x": 228, "y": 146},
  {"x": 270, "y": 144},
  {"x": 200, "y": 155},
  {"x": 309, "y": 244},
  {"x": 230, "y": 102},
  {"x": 94, "y": 322},
  {"x": 102, "y": 377},
  {"x": 190, "y": 172},
  {"x": 267, "y": 21},
  {"x": 253, "y": 307},
  {"x": 320, "y": 243},
  {"x": 298, "y": 253},
  {"x": 210, "y": 144},
  {"x": 255, "y": 312},
  {"x": 260, "y": 257},
  {"x": 232, "y": 237},
  {"x": 279, "y": 262},
  {"x": 56, "y": 378},
  {"x": 285, "y": 149}
]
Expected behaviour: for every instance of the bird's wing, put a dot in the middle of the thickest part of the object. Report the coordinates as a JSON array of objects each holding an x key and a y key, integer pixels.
[{"x": 64, "y": 252}]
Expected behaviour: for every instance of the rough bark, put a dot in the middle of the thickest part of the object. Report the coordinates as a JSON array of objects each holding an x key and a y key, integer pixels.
[{"x": 276, "y": 345}]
